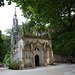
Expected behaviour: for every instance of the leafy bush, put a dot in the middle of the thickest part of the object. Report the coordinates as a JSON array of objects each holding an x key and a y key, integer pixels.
[
  {"x": 14, "y": 65},
  {"x": 7, "y": 58}
]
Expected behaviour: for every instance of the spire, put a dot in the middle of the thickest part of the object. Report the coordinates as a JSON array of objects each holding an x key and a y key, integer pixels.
[
  {"x": 15, "y": 20},
  {"x": 15, "y": 12}
]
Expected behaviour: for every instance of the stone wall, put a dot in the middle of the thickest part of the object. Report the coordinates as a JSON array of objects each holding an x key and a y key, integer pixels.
[{"x": 60, "y": 59}]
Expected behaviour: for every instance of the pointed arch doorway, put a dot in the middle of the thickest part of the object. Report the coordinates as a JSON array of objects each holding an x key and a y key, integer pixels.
[{"x": 36, "y": 60}]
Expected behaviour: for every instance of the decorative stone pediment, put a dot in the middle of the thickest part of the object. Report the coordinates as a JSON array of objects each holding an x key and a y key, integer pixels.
[{"x": 38, "y": 42}]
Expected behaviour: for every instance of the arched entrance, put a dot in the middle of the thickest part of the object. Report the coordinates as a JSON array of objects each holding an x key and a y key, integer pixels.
[{"x": 36, "y": 60}]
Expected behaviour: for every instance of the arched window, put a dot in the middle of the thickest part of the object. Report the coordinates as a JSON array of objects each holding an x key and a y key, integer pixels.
[{"x": 36, "y": 49}]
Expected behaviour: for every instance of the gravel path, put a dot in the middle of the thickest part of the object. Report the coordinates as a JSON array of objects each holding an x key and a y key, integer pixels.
[{"x": 60, "y": 69}]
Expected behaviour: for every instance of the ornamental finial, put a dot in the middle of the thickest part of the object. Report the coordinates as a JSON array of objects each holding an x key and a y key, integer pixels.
[{"x": 15, "y": 10}]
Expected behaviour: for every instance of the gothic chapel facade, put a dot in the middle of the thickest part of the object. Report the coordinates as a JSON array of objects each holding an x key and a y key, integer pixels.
[{"x": 32, "y": 51}]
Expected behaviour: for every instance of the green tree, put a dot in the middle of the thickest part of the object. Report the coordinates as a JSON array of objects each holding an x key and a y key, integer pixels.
[
  {"x": 64, "y": 43},
  {"x": 7, "y": 43},
  {"x": 2, "y": 2},
  {"x": 32, "y": 27},
  {"x": 58, "y": 12},
  {"x": 6, "y": 46},
  {"x": 8, "y": 31},
  {"x": 29, "y": 27},
  {"x": 7, "y": 58},
  {"x": 2, "y": 53}
]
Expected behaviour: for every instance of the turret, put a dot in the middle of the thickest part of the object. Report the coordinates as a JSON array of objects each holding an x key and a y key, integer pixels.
[
  {"x": 15, "y": 20},
  {"x": 15, "y": 35}
]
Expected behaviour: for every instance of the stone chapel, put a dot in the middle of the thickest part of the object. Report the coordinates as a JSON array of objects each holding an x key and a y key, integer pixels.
[{"x": 31, "y": 51}]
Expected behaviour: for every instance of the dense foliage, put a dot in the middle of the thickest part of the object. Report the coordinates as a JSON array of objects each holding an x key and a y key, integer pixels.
[
  {"x": 56, "y": 12},
  {"x": 1, "y": 3},
  {"x": 2, "y": 51},
  {"x": 5, "y": 48},
  {"x": 29, "y": 27},
  {"x": 14, "y": 65},
  {"x": 7, "y": 58},
  {"x": 64, "y": 43}
]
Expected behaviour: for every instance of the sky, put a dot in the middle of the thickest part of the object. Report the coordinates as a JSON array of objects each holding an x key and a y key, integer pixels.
[{"x": 6, "y": 16}]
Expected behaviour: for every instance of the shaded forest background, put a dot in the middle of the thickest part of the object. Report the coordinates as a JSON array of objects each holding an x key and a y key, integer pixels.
[{"x": 53, "y": 19}]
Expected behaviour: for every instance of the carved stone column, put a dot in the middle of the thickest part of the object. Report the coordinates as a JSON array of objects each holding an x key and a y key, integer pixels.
[
  {"x": 23, "y": 59},
  {"x": 45, "y": 57},
  {"x": 32, "y": 50},
  {"x": 23, "y": 54},
  {"x": 51, "y": 53}
]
